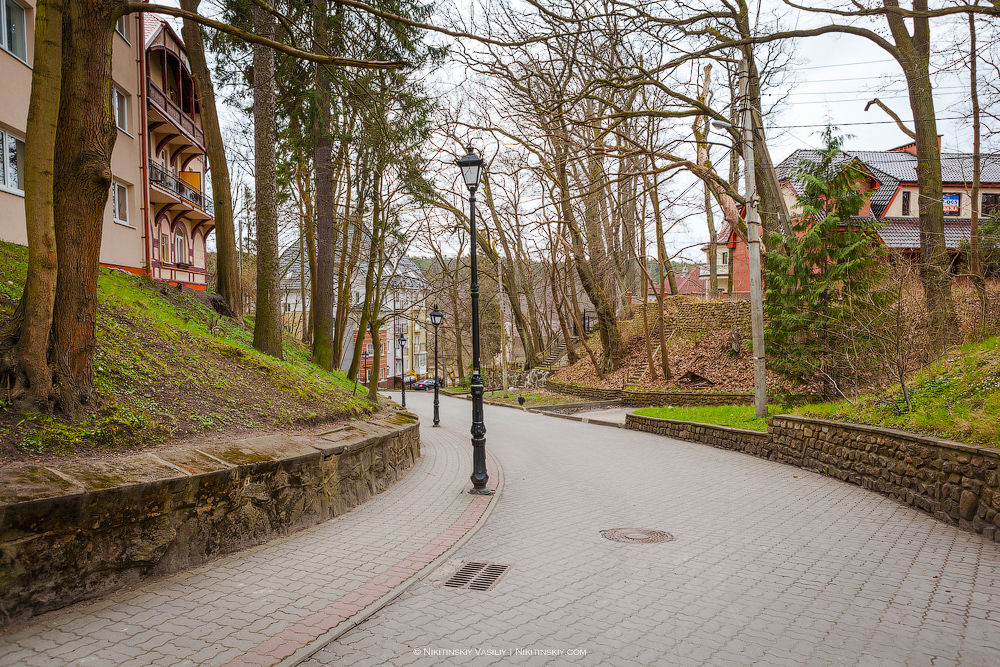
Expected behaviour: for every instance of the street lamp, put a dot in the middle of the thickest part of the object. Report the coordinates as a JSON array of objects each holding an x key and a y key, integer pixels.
[
  {"x": 402, "y": 364},
  {"x": 471, "y": 166},
  {"x": 437, "y": 317},
  {"x": 365, "y": 356}
]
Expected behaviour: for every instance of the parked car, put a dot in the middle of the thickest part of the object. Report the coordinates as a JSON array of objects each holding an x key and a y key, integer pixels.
[{"x": 425, "y": 384}]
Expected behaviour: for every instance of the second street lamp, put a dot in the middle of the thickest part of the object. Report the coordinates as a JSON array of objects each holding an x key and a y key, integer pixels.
[
  {"x": 402, "y": 365},
  {"x": 472, "y": 165},
  {"x": 436, "y": 318}
]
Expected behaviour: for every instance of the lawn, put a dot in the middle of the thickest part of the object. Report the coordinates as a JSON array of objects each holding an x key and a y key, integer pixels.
[
  {"x": 167, "y": 366},
  {"x": 957, "y": 398},
  {"x": 737, "y": 416}
]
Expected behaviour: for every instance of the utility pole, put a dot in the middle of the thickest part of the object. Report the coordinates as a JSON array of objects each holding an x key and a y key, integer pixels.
[
  {"x": 503, "y": 324},
  {"x": 753, "y": 241}
]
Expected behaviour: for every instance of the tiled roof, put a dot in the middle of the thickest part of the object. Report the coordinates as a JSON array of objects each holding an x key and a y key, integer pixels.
[{"x": 904, "y": 233}]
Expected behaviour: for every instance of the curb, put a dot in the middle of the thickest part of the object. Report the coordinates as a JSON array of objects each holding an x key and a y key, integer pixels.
[
  {"x": 548, "y": 412},
  {"x": 333, "y": 634}
]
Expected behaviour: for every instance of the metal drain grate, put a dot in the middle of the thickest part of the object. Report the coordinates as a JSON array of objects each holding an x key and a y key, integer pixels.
[
  {"x": 477, "y": 576},
  {"x": 636, "y": 535}
]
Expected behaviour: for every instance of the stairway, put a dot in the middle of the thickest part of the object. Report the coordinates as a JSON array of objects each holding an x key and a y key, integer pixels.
[{"x": 554, "y": 356}]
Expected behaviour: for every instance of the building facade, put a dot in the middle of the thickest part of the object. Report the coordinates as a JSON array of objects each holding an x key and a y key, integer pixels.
[{"x": 158, "y": 216}]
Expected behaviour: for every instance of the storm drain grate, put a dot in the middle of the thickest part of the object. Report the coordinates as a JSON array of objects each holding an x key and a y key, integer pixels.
[
  {"x": 477, "y": 576},
  {"x": 636, "y": 535}
]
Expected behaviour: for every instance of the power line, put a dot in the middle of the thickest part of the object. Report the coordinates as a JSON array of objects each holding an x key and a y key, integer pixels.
[{"x": 870, "y": 122}]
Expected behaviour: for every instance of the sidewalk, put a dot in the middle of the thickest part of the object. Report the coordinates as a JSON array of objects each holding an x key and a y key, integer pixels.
[{"x": 281, "y": 599}]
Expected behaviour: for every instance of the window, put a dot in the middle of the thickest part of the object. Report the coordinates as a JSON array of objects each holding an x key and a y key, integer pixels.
[
  {"x": 119, "y": 203},
  {"x": 952, "y": 204},
  {"x": 370, "y": 348},
  {"x": 725, "y": 258},
  {"x": 991, "y": 203},
  {"x": 12, "y": 163},
  {"x": 121, "y": 27},
  {"x": 180, "y": 251},
  {"x": 164, "y": 247},
  {"x": 13, "y": 38},
  {"x": 906, "y": 203},
  {"x": 119, "y": 104}
]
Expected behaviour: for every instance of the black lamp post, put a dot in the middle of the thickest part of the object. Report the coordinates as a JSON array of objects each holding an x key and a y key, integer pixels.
[
  {"x": 472, "y": 165},
  {"x": 436, "y": 318},
  {"x": 365, "y": 356},
  {"x": 402, "y": 364}
]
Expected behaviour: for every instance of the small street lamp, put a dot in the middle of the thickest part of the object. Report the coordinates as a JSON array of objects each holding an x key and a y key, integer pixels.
[
  {"x": 437, "y": 317},
  {"x": 471, "y": 166},
  {"x": 402, "y": 364},
  {"x": 365, "y": 356}
]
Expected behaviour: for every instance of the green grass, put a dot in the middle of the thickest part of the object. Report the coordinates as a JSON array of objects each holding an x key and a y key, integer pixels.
[
  {"x": 957, "y": 398},
  {"x": 737, "y": 416},
  {"x": 532, "y": 399},
  {"x": 167, "y": 366}
]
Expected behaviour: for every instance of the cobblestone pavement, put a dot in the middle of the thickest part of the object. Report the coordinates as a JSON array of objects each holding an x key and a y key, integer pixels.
[
  {"x": 260, "y": 605},
  {"x": 770, "y": 564}
]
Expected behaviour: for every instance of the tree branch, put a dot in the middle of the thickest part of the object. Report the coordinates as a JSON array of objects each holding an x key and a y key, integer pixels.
[{"x": 892, "y": 114}]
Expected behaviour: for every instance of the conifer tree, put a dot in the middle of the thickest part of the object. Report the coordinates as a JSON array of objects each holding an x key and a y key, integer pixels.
[{"x": 829, "y": 281}]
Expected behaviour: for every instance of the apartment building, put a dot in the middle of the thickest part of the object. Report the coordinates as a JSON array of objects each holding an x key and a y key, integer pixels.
[{"x": 158, "y": 216}]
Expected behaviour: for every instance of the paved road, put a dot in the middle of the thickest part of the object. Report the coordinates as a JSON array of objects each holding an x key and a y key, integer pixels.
[
  {"x": 261, "y": 605},
  {"x": 770, "y": 564}
]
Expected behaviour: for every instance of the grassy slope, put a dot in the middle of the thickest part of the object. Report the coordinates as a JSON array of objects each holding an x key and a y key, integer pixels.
[
  {"x": 956, "y": 398},
  {"x": 738, "y": 416},
  {"x": 167, "y": 366},
  {"x": 532, "y": 398}
]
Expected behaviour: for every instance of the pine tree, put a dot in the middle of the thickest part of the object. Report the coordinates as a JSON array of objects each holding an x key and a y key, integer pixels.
[{"x": 830, "y": 280}]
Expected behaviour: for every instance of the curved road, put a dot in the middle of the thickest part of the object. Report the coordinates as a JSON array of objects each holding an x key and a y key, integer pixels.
[{"x": 769, "y": 563}]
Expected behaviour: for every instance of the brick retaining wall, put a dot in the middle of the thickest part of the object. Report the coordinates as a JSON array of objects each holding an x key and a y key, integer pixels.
[
  {"x": 954, "y": 482},
  {"x": 65, "y": 548}
]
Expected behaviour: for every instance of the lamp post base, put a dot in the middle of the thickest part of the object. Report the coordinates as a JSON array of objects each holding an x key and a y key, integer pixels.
[{"x": 481, "y": 492}]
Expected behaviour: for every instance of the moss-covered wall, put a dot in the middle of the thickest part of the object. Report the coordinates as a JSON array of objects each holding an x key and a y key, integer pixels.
[{"x": 160, "y": 513}]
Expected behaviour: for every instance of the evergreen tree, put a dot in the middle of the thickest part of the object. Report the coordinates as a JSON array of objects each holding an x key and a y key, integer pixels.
[{"x": 824, "y": 295}]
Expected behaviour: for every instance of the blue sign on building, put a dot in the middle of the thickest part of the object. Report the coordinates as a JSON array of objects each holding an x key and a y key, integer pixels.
[{"x": 952, "y": 203}]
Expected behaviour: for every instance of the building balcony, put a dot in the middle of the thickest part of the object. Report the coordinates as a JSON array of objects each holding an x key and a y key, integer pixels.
[
  {"x": 177, "y": 187},
  {"x": 160, "y": 102}
]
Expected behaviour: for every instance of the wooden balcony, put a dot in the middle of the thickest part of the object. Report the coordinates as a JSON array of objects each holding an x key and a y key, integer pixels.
[
  {"x": 159, "y": 101},
  {"x": 176, "y": 186}
]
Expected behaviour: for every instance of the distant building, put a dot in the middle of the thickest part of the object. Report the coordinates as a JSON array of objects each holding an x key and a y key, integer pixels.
[
  {"x": 405, "y": 310},
  {"x": 158, "y": 216},
  {"x": 894, "y": 202},
  {"x": 690, "y": 282}
]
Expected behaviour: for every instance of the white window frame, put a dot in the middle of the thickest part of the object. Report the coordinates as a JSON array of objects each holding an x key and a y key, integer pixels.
[
  {"x": 117, "y": 92},
  {"x": 180, "y": 249},
  {"x": 3, "y": 30},
  {"x": 165, "y": 259},
  {"x": 725, "y": 258},
  {"x": 121, "y": 27},
  {"x": 5, "y": 180},
  {"x": 116, "y": 188}
]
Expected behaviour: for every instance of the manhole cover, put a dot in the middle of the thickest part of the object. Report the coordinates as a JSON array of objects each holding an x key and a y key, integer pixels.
[
  {"x": 477, "y": 576},
  {"x": 636, "y": 535}
]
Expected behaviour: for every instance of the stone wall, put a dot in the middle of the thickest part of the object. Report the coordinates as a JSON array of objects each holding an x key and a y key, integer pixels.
[
  {"x": 954, "y": 482},
  {"x": 696, "y": 317},
  {"x": 650, "y": 398},
  {"x": 153, "y": 514}
]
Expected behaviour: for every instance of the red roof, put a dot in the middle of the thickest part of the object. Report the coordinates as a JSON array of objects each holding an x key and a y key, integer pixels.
[{"x": 688, "y": 283}]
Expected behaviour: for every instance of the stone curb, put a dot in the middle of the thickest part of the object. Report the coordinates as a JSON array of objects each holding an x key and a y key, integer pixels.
[{"x": 332, "y": 635}]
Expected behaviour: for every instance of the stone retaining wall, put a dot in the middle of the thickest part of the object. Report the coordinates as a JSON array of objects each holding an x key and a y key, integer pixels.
[
  {"x": 708, "y": 316},
  {"x": 651, "y": 398},
  {"x": 954, "y": 482},
  {"x": 153, "y": 514}
]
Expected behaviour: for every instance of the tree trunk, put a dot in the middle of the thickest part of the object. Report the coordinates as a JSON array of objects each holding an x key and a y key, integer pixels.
[
  {"x": 323, "y": 163},
  {"x": 84, "y": 140},
  {"x": 975, "y": 268},
  {"x": 267, "y": 324},
  {"x": 31, "y": 352},
  {"x": 228, "y": 282}
]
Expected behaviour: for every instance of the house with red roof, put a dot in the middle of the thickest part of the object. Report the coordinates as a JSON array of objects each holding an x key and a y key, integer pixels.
[{"x": 894, "y": 202}]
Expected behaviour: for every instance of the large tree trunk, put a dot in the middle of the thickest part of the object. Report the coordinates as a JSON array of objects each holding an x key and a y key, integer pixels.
[
  {"x": 325, "y": 230},
  {"x": 975, "y": 267},
  {"x": 914, "y": 59},
  {"x": 228, "y": 282},
  {"x": 84, "y": 141},
  {"x": 31, "y": 352},
  {"x": 701, "y": 127},
  {"x": 267, "y": 324}
]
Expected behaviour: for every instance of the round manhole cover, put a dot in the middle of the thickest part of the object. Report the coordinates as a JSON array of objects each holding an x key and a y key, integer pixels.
[{"x": 636, "y": 535}]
